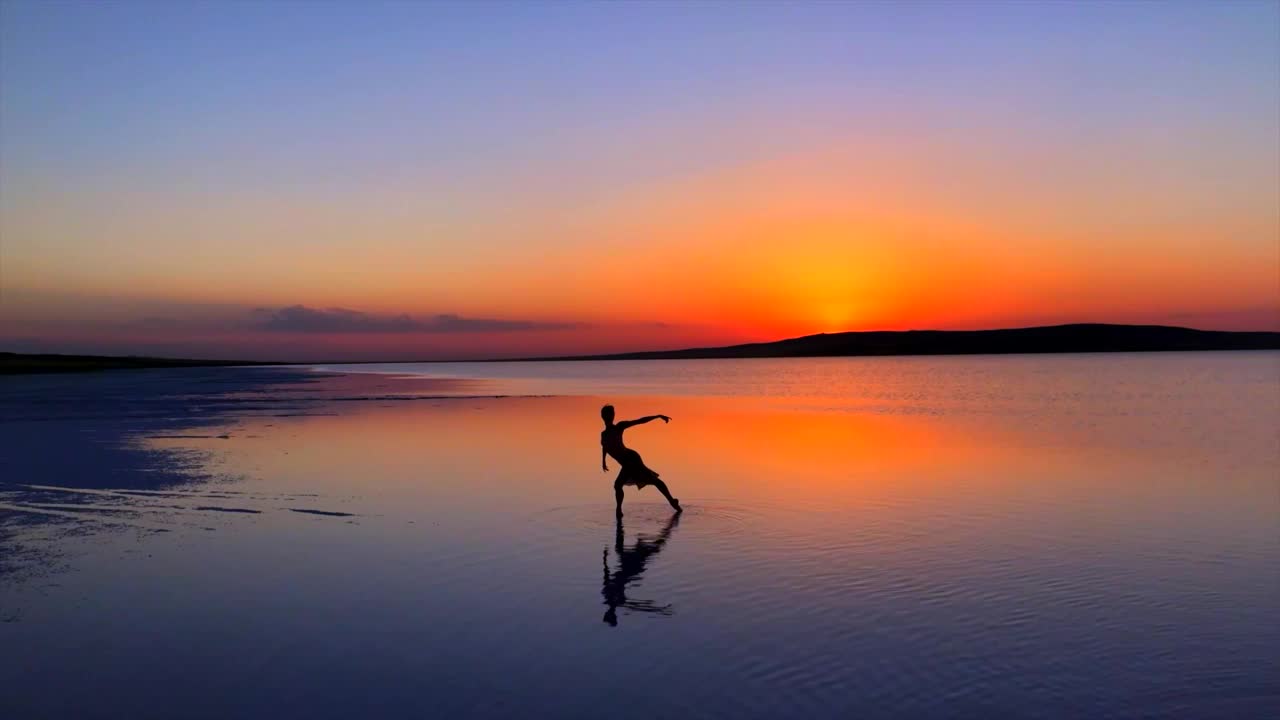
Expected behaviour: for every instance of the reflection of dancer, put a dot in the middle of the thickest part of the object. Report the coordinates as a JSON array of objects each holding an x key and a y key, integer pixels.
[
  {"x": 630, "y": 566},
  {"x": 634, "y": 471}
]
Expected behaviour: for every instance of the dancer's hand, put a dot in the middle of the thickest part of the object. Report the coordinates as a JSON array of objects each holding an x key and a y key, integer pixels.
[{"x": 664, "y": 418}]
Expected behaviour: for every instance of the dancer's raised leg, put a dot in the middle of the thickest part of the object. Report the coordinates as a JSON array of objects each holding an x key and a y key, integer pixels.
[{"x": 662, "y": 488}]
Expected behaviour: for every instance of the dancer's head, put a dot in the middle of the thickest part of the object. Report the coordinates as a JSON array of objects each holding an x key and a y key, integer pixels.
[{"x": 606, "y": 413}]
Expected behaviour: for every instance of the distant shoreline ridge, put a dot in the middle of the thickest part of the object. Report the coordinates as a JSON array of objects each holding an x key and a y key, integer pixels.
[{"x": 1072, "y": 338}]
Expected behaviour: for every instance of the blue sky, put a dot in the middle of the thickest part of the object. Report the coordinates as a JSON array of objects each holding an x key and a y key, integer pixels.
[{"x": 258, "y": 153}]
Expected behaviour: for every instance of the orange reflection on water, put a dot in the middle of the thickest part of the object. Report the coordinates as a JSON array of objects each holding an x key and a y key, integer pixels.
[
  {"x": 479, "y": 462},
  {"x": 546, "y": 450}
]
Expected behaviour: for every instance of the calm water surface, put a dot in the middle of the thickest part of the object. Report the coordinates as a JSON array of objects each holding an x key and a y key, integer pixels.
[{"x": 1092, "y": 536}]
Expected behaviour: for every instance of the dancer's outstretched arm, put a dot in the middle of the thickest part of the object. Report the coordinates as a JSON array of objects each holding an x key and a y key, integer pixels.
[{"x": 643, "y": 420}]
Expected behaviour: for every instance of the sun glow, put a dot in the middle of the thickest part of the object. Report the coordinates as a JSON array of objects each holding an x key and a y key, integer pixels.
[{"x": 680, "y": 205}]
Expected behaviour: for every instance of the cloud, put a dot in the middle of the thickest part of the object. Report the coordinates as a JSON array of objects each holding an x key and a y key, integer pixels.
[
  {"x": 302, "y": 319},
  {"x": 159, "y": 322}
]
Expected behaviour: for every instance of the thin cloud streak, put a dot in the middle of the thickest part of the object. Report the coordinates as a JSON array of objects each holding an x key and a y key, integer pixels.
[{"x": 303, "y": 319}]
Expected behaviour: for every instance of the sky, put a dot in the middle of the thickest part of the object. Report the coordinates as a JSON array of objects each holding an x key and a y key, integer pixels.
[{"x": 364, "y": 180}]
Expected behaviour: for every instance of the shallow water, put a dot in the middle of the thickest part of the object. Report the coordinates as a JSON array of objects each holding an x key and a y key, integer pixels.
[{"x": 1019, "y": 536}]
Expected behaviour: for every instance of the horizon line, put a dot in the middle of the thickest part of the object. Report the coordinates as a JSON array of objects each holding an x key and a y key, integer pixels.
[{"x": 630, "y": 354}]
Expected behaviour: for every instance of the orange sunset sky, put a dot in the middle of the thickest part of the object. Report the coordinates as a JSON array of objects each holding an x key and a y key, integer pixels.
[{"x": 395, "y": 181}]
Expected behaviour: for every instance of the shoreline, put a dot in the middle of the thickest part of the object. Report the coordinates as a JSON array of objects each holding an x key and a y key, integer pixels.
[{"x": 179, "y": 364}]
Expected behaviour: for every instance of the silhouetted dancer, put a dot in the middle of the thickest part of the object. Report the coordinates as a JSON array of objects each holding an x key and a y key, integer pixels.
[
  {"x": 634, "y": 471},
  {"x": 630, "y": 566}
]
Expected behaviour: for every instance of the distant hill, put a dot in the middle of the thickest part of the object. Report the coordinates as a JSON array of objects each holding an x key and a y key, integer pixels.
[
  {"x": 22, "y": 363},
  {"x": 1052, "y": 339}
]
